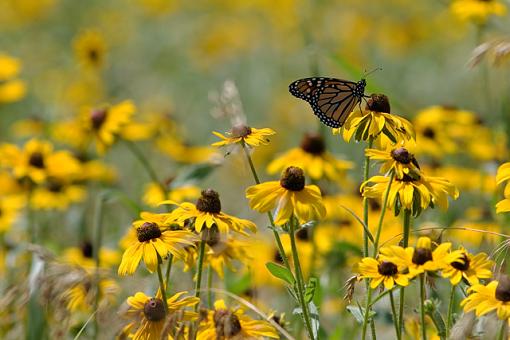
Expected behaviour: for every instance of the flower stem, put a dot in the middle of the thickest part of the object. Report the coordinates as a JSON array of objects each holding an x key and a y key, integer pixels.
[
  {"x": 502, "y": 330},
  {"x": 366, "y": 314},
  {"x": 145, "y": 163},
  {"x": 162, "y": 285},
  {"x": 200, "y": 265},
  {"x": 269, "y": 214},
  {"x": 168, "y": 270},
  {"x": 422, "y": 307},
  {"x": 394, "y": 316},
  {"x": 299, "y": 278},
  {"x": 96, "y": 249},
  {"x": 383, "y": 212},
  {"x": 405, "y": 243},
  {"x": 449, "y": 317}
]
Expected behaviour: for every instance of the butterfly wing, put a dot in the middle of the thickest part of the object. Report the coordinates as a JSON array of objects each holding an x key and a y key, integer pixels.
[{"x": 331, "y": 99}]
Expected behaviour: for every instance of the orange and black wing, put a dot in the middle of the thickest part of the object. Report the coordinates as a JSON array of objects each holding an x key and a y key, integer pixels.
[{"x": 331, "y": 99}]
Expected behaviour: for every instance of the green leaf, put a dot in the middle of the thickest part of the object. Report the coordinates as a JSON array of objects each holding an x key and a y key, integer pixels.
[
  {"x": 281, "y": 272},
  {"x": 359, "y": 313},
  {"x": 310, "y": 289},
  {"x": 194, "y": 173},
  {"x": 236, "y": 285}
]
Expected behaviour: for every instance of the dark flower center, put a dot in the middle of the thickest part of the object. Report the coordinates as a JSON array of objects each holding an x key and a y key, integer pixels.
[
  {"x": 86, "y": 249},
  {"x": 429, "y": 133},
  {"x": 148, "y": 231},
  {"x": 378, "y": 103},
  {"x": 313, "y": 143},
  {"x": 209, "y": 202},
  {"x": 154, "y": 310},
  {"x": 93, "y": 55},
  {"x": 293, "y": 179},
  {"x": 240, "y": 130},
  {"x": 98, "y": 117},
  {"x": 401, "y": 155},
  {"x": 227, "y": 324},
  {"x": 54, "y": 186},
  {"x": 36, "y": 160},
  {"x": 422, "y": 255},
  {"x": 387, "y": 268},
  {"x": 277, "y": 257},
  {"x": 461, "y": 266},
  {"x": 304, "y": 234},
  {"x": 503, "y": 289}
]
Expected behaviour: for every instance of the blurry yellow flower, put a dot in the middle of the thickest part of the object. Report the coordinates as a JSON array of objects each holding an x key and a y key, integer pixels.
[
  {"x": 10, "y": 209},
  {"x": 29, "y": 127},
  {"x": 11, "y": 89},
  {"x": 80, "y": 297},
  {"x": 471, "y": 268},
  {"x": 466, "y": 179},
  {"x": 90, "y": 49},
  {"x": 106, "y": 123},
  {"x": 246, "y": 134},
  {"x": 149, "y": 318},
  {"x": 265, "y": 251},
  {"x": 376, "y": 120},
  {"x": 422, "y": 258},
  {"x": 183, "y": 153},
  {"x": 56, "y": 194},
  {"x": 313, "y": 158},
  {"x": 38, "y": 161},
  {"x": 154, "y": 194},
  {"x": 154, "y": 241},
  {"x": 207, "y": 213},
  {"x": 397, "y": 159},
  {"x": 477, "y": 10},
  {"x": 225, "y": 323},
  {"x": 381, "y": 271},
  {"x": 221, "y": 253},
  {"x": 71, "y": 132},
  {"x": 83, "y": 256},
  {"x": 502, "y": 176},
  {"x": 413, "y": 192},
  {"x": 485, "y": 299},
  {"x": 138, "y": 131},
  {"x": 289, "y": 197},
  {"x": 96, "y": 170}
]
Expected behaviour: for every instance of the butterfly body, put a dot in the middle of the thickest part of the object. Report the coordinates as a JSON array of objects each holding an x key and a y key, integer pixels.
[{"x": 331, "y": 99}]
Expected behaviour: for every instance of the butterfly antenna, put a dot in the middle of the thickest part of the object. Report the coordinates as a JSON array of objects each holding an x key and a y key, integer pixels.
[{"x": 374, "y": 70}]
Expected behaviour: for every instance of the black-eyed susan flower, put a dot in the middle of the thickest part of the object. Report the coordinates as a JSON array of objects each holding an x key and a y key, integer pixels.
[
  {"x": 83, "y": 256},
  {"x": 207, "y": 213},
  {"x": 422, "y": 258},
  {"x": 38, "y": 161},
  {"x": 376, "y": 120},
  {"x": 484, "y": 299},
  {"x": 106, "y": 123},
  {"x": 471, "y": 268},
  {"x": 185, "y": 153},
  {"x": 154, "y": 194},
  {"x": 289, "y": 197},
  {"x": 313, "y": 158},
  {"x": 90, "y": 49},
  {"x": 503, "y": 175},
  {"x": 382, "y": 271},
  {"x": 242, "y": 133},
  {"x": 477, "y": 10},
  {"x": 56, "y": 194},
  {"x": 10, "y": 210},
  {"x": 149, "y": 319},
  {"x": 81, "y": 296},
  {"x": 395, "y": 158},
  {"x": 414, "y": 192},
  {"x": 11, "y": 88},
  {"x": 222, "y": 252},
  {"x": 225, "y": 323},
  {"x": 154, "y": 240}
]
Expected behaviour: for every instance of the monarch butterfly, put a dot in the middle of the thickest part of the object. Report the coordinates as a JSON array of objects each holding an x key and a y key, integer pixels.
[{"x": 331, "y": 99}]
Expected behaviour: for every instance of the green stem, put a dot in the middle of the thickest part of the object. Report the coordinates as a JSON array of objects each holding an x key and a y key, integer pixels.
[
  {"x": 383, "y": 212},
  {"x": 299, "y": 277},
  {"x": 145, "y": 163},
  {"x": 96, "y": 249},
  {"x": 168, "y": 270},
  {"x": 367, "y": 313},
  {"x": 394, "y": 316},
  {"x": 209, "y": 286},
  {"x": 405, "y": 243},
  {"x": 277, "y": 238},
  {"x": 449, "y": 317},
  {"x": 162, "y": 285},
  {"x": 422, "y": 307},
  {"x": 200, "y": 265},
  {"x": 502, "y": 330}
]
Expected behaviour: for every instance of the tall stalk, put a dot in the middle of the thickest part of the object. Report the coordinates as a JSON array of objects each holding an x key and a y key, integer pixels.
[
  {"x": 394, "y": 316},
  {"x": 162, "y": 285},
  {"x": 96, "y": 249},
  {"x": 449, "y": 317}
]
